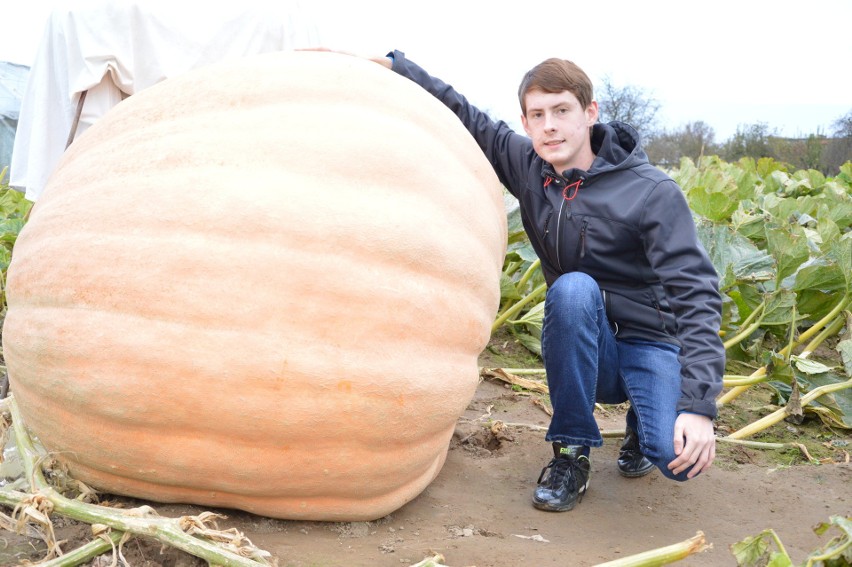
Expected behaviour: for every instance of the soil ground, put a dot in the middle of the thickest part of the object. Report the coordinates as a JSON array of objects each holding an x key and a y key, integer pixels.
[{"x": 478, "y": 511}]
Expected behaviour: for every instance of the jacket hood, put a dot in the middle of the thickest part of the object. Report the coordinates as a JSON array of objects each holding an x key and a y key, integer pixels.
[{"x": 617, "y": 145}]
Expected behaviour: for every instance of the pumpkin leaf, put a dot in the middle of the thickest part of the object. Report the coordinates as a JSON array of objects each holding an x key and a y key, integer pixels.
[
  {"x": 523, "y": 249},
  {"x": 750, "y": 550},
  {"x": 513, "y": 214},
  {"x": 735, "y": 257},
  {"x": 844, "y": 347},
  {"x": 779, "y": 308},
  {"x": 809, "y": 366},
  {"x": 821, "y": 274},
  {"x": 533, "y": 320},
  {"x": 841, "y": 252},
  {"x": 755, "y": 552},
  {"x": 837, "y": 551},
  {"x": 789, "y": 248},
  {"x": 507, "y": 288},
  {"x": 531, "y": 343},
  {"x": 834, "y": 409}
]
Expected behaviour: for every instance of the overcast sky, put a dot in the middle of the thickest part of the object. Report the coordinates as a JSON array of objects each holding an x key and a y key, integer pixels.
[{"x": 728, "y": 62}]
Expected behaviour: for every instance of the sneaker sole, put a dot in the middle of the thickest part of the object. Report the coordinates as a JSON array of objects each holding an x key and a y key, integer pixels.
[
  {"x": 636, "y": 474},
  {"x": 566, "y": 508}
]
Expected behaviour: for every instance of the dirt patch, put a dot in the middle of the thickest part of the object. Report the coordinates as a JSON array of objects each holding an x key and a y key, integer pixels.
[{"x": 478, "y": 510}]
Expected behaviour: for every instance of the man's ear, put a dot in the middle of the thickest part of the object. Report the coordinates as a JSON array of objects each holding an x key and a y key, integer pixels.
[
  {"x": 592, "y": 113},
  {"x": 525, "y": 124}
]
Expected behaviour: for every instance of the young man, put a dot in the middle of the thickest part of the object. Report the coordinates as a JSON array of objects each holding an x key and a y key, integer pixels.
[{"x": 632, "y": 311}]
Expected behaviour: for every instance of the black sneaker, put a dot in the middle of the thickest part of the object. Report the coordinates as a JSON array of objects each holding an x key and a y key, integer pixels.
[
  {"x": 567, "y": 479},
  {"x": 631, "y": 462}
]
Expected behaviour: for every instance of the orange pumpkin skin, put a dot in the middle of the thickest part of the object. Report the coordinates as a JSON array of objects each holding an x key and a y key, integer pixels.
[{"x": 261, "y": 285}]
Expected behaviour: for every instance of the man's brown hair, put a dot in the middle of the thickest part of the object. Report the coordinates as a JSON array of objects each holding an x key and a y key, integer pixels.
[{"x": 554, "y": 76}]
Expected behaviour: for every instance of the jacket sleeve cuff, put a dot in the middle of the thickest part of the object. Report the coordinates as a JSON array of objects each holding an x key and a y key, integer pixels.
[
  {"x": 701, "y": 407},
  {"x": 397, "y": 57}
]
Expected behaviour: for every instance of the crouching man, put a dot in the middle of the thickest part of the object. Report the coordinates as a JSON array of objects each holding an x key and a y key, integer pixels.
[{"x": 632, "y": 311}]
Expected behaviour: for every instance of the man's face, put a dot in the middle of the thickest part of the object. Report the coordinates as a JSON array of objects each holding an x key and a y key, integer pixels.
[{"x": 559, "y": 128}]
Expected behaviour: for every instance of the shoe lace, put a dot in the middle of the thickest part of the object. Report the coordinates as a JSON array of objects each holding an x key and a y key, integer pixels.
[{"x": 562, "y": 470}]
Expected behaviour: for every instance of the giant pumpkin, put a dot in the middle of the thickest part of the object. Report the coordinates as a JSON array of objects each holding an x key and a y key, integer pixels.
[{"x": 261, "y": 285}]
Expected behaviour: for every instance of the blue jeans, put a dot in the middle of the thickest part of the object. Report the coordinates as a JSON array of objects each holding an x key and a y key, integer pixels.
[{"x": 587, "y": 363}]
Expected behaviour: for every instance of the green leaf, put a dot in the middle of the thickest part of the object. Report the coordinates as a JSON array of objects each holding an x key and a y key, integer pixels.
[
  {"x": 809, "y": 366},
  {"x": 753, "y": 228},
  {"x": 841, "y": 252},
  {"x": 513, "y": 214},
  {"x": 776, "y": 181},
  {"x": 821, "y": 274},
  {"x": 815, "y": 178},
  {"x": 531, "y": 343},
  {"x": 844, "y": 524},
  {"x": 523, "y": 249},
  {"x": 779, "y": 559},
  {"x": 835, "y": 408},
  {"x": 746, "y": 181},
  {"x": 828, "y": 230},
  {"x": 747, "y": 298},
  {"x": 815, "y": 304},
  {"x": 779, "y": 308},
  {"x": 789, "y": 248},
  {"x": 838, "y": 208},
  {"x": 844, "y": 347},
  {"x": 5, "y": 258},
  {"x": 13, "y": 204},
  {"x": 715, "y": 206},
  {"x": 507, "y": 288},
  {"x": 838, "y": 551},
  {"x": 533, "y": 319},
  {"x": 751, "y": 551},
  {"x": 736, "y": 258}
]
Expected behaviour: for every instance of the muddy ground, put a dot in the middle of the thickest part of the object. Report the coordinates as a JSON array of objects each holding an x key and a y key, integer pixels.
[{"x": 478, "y": 512}]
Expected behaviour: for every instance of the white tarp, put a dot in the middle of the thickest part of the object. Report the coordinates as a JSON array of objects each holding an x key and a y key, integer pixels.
[{"x": 111, "y": 49}]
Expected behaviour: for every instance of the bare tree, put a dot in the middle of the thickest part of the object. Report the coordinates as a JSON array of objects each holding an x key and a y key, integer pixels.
[
  {"x": 628, "y": 104},
  {"x": 843, "y": 126},
  {"x": 694, "y": 140},
  {"x": 750, "y": 140}
]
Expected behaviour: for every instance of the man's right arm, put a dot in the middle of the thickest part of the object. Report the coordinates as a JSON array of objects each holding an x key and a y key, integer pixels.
[{"x": 506, "y": 150}]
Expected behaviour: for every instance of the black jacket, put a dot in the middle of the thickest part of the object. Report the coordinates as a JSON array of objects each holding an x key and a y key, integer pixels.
[{"x": 628, "y": 226}]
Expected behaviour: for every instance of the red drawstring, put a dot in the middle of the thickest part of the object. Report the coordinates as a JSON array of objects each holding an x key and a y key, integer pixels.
[{"x": 575, "y": 186}]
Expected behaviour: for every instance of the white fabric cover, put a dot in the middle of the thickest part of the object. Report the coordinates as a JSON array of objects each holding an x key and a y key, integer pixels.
[{"x": 116, "y": 48}]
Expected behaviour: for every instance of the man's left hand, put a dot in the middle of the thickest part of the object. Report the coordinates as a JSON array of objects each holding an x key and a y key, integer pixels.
[{"x": 694, "y": 444}]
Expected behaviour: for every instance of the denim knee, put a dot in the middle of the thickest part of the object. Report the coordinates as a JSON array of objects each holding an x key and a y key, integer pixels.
[
  {"x": 661, "y": 457},
  {"x": 575, "y": 289}
]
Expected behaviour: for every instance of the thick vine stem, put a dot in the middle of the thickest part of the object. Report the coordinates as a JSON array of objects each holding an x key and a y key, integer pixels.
[
  {"x": 756, "y": 377},
  {"x": 662, "y": 555},
  {"x": 750, "y": 325},
  {"x": 510, "y": 312},
  {"x": 770, "y": 446},
  {"x": 140, "y": 521},
  {"x": 86, "y": 553},
  {"x": 780, "y": 414}
]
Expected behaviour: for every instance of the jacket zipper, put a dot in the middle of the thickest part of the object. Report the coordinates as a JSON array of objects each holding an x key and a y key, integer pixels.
[
  {"x": 559, "y": 236},
  {"x": 582, "y": 243}
]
